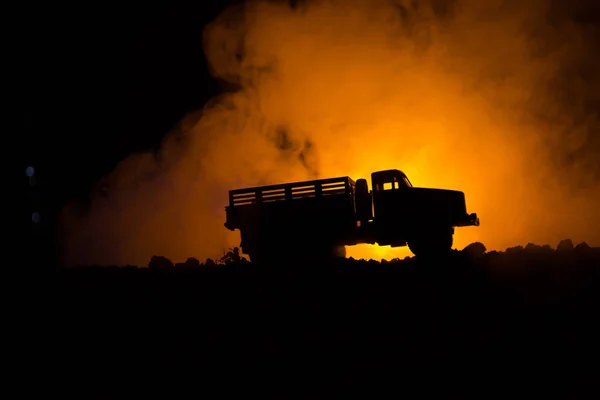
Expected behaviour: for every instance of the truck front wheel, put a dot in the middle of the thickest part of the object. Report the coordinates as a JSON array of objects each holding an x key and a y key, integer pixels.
[{"x": 431, "y": 243}]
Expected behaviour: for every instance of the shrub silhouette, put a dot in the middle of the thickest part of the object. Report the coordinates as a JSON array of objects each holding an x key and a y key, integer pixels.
[{"x": 233, "y": 256}]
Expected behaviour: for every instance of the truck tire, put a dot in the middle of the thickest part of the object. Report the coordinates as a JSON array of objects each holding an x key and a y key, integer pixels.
[{"x": 432, "y": 243}]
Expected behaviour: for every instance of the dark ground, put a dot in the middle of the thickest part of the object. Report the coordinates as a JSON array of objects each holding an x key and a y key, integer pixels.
[{"x": 520, "y": 323}]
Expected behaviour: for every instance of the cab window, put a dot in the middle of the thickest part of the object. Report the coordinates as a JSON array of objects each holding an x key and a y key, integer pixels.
[{"x": 386, "y": 186}]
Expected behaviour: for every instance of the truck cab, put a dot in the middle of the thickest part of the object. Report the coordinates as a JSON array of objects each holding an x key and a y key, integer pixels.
[
  {"x": 406, "y": 214},
  {"x": 391, "y": 179},
  {"x": 390, "y": 191}
]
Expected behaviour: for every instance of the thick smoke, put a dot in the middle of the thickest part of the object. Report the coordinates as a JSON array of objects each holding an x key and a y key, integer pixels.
[{"x": 494, "y": 98}]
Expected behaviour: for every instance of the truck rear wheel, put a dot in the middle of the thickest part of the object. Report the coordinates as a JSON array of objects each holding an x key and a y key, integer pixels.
[{"x": 432, "y": 243}]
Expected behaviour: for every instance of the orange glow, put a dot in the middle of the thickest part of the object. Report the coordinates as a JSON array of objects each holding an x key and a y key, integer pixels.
[{"x": 459, "y": 101}]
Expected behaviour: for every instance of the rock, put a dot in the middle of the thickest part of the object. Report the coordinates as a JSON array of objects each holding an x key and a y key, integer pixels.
[
  {"x": 582, "y": 247},
  {"x": 514, "y": 250},
  {"x": 476, "y": 249},
  {"x": 565, "y": 245},
  {"x": 160, "y": 262},
  {"x": 192, "y": 262},
  {"x": 210, "y": 262},
  {"x": 534, "y": 248}
]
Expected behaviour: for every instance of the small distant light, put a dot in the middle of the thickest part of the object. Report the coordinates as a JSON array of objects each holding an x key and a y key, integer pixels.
[
  {"x": 30, "y": 171},
  {"x": 35, "y": 217}
]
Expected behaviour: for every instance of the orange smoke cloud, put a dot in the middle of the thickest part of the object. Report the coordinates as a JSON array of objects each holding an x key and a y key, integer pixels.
[{"x": 465, "y": 95}]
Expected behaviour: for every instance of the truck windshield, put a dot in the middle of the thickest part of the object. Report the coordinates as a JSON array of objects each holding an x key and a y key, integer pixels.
[{"x": 407, "y": 181}]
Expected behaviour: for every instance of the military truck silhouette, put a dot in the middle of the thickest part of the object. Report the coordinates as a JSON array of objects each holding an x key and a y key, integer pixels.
[{"x": 318, "y": 218}]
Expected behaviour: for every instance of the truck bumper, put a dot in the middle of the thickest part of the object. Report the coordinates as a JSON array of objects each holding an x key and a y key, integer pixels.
[{"x": 469, "y": 220}]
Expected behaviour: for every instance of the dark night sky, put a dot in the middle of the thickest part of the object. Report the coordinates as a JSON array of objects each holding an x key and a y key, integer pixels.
[{"x": 115, "y": 81}]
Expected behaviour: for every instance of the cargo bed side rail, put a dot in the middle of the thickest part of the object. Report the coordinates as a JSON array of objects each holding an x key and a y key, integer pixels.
[{"x": 291, "y": 191}]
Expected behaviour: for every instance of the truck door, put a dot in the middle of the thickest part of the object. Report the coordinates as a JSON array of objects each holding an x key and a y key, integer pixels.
[
  {"x": 384, "y": 196},
  {"x": 389, "y": 200}
]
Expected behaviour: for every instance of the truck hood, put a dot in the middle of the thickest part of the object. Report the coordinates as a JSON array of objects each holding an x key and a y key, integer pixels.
[
  {"x": 450, "y": 200},
  {"x": 440, "y": 194}
]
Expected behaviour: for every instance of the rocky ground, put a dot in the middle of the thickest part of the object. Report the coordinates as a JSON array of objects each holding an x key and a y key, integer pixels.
[{"x": 487, "y": 323}]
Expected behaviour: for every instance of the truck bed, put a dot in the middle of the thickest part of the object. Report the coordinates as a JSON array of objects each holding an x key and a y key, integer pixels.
[
  {"x": 292, "y": 191},
  {"x": 294, "y": 204}
]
